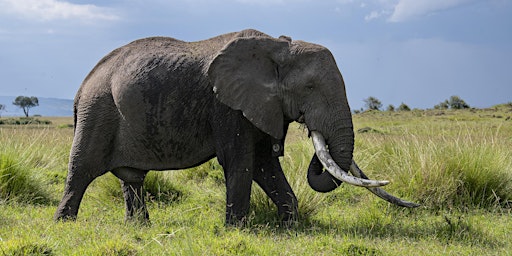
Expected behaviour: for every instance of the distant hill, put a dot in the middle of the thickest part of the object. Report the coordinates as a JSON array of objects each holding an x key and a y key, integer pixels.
[{"x": 47, "y": 107}]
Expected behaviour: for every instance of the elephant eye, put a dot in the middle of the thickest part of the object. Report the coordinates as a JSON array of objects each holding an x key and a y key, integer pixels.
[{"x": 310, "y": 86}]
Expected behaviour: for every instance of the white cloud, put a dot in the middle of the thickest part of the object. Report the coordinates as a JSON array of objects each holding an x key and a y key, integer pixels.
[
  {"x": 47, "y": 10},
  {"x": 373, "y": 15},
  {"x": 408, "y": 9}
]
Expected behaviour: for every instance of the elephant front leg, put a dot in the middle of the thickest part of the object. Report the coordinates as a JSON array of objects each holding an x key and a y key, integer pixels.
[
  {"x": 271, "y": 179},
  {"x": 238, "y": 193},
  {"x": 132, "y": 181}
]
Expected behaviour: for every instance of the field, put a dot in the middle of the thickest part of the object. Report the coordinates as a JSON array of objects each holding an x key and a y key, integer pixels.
[{"x": 457, "y": 164}]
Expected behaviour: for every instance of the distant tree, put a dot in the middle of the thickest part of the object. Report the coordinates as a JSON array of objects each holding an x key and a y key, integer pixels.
[
  {"x": 26, "y": 103},
  {"x": 404, "y": 107},
  {"x": 456, "y": 102},
  {"x": 390, "y": 108},
  {"x": 372, "y": 103},
  {"x": 2, "y": 108},
  {"x": 442, "y": 105}
]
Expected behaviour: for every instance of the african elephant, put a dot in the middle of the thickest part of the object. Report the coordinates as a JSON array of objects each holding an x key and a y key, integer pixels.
[{"x": 162, "y": 104}]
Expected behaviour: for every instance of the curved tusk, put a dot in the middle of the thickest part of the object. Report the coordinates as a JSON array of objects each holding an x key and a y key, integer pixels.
[
  {"x": 354, "y": 169},
  {"x": 335, "y": 170}
]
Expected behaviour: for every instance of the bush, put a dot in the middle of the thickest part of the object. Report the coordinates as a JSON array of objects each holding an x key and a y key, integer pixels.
[
  {"x": 404, "y": 107},
  {"x": 24, "y": 121},
  {"x": 372, "y": 103}
]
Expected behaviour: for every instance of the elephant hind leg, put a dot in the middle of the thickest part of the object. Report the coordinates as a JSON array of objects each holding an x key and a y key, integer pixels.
[
  {"x": 132, "y": 181},
  {"x": 76, "y": 183}
]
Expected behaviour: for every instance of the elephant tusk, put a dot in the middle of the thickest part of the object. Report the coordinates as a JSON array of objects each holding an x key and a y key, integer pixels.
[
  {"x": 333, "y": 168},
  {"x": 354, "y": 169}
]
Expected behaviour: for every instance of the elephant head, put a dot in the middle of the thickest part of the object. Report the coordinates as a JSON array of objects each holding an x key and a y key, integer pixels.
[{"x": 274, "y": 81}]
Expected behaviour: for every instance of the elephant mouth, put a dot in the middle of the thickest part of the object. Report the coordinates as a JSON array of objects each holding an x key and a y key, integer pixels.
[{"x": 358, "y": 178}]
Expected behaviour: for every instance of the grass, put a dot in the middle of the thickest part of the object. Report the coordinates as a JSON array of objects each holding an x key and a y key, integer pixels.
[{"x": 457, "y": 164}]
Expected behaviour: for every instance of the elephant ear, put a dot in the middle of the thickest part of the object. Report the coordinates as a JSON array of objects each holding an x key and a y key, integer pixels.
[{"x": 245, "y": 76}]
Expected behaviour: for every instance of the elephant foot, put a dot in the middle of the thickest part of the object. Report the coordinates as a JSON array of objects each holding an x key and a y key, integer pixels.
[
  {"x": 236, "y": 220},
  {"x": 137, "y": 215},
  {"x": 63, "y": 215},
  {"x": 138, "y": 220}
]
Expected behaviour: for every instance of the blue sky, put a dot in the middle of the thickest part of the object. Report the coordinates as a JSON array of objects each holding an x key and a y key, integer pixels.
[{"x": 419, "y": 52}]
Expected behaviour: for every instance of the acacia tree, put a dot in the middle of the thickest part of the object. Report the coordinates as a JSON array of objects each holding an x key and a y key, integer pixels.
[
  {"x": 26, "y": 103},
  {"x": 372, "y": 103}
]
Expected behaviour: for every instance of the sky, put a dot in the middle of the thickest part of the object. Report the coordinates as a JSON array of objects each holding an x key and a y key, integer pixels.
[{"x": 417, "y": 52}]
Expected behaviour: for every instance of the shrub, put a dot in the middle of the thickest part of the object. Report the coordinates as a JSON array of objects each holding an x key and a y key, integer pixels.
[
  {"x": 24, "y": 121},
  {"x": 404, "y": 107},
  {"x": 372, "y": 103}
]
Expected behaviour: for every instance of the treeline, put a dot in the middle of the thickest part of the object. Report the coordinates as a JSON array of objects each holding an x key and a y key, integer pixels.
[{"x": 372, "y": 103}]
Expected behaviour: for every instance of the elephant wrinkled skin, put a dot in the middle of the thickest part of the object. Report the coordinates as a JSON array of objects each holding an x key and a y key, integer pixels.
[{"x": 162, "y": 104}]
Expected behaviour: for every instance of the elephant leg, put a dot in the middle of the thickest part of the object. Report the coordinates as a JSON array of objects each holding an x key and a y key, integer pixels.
[
  {"x": 238, "y": 193},
  {"x": 235, "y": 149},
  {"x": 77, "y": 181},
  {"x": 270, "y": 177},
  {"x": 132, "y": 181}
]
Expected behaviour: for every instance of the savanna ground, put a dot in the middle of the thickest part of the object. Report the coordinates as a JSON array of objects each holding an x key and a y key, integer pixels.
[{"x": 457, "y": 164}]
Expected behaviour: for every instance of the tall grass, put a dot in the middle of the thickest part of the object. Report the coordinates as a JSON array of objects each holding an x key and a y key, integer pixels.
[
  {"x": 444, "y": 167},
  {"x": 26, "y": 163}
]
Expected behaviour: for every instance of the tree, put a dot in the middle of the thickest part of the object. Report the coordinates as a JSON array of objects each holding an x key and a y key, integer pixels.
[
  {"x": 372, "y": 103},
  {"x": 457, "y": 103},
  {"x": 404, "y": 107},
  {"x": 2, "y": 108},
  {"x": 442, "y": 105},
  {"x": 26, "y": 103},
  {"x": 390, "y": 108},
  {"x": 454, "y": 102}
]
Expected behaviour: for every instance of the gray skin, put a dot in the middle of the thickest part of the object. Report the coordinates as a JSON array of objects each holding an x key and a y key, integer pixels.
[{"x": 162, "y": 104}]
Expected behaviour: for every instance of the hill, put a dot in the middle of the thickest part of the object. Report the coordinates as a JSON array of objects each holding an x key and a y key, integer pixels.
[{"x": 47, "y": 107}]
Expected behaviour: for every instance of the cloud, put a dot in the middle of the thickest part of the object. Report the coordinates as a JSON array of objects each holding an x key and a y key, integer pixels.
[
  {"x": 409, "y": 9},
  {"x": 375, "y": 15},
  {"x": 47, "y": 10}
]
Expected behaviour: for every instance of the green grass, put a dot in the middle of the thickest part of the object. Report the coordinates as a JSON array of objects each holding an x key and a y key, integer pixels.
[{"x": 457, "y": 164}]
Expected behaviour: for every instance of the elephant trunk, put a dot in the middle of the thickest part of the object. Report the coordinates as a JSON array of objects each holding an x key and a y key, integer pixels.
[
  {"x": 341, "y": 146},
  {"x": 334, "y": 152}
]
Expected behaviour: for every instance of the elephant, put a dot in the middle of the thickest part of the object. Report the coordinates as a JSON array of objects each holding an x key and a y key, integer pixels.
[{"x": 164, "y": 104}]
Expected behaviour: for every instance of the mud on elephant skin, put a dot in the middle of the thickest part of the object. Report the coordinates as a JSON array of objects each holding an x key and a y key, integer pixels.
[{"x": 164, "y": 104}]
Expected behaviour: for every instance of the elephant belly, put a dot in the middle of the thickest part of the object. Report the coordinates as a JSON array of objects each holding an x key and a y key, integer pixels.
[
  {"x": 165, "y": 146},
  {"x": 166, "y": 130}
]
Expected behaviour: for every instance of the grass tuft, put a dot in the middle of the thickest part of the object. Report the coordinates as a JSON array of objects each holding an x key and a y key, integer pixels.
[
  {"x": 22, "y": 247},
  {"x": 19, "y": 184}
]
